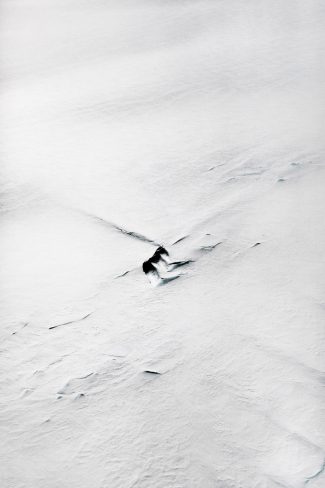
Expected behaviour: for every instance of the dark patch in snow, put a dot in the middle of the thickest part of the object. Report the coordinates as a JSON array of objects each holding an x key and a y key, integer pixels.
[{"x": 151, "y": 266}]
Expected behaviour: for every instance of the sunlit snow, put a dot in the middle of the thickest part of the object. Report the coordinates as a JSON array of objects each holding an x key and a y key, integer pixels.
[{"x": 197, "y": 125}]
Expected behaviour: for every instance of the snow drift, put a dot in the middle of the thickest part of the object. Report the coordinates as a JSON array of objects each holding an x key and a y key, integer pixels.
[{"x": 191, "y": 124}]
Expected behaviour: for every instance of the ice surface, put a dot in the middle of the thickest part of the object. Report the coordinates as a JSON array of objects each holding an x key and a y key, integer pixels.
[{"x": 196, "y": 125}]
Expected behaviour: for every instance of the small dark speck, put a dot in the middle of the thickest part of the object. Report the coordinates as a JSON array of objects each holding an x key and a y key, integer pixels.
[
  {"x": 151, "y": 372},
  {"x": 256, "y": 244},
  {"x": 80, "y": 395},
  {"x": 281, "y": 179},
  {"x": 59, "y": 397}
]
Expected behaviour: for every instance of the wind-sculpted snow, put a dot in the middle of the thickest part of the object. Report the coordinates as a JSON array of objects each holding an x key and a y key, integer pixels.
[
  {"x": 192, "y": 125},
  {"x": 130, "y": 233}
]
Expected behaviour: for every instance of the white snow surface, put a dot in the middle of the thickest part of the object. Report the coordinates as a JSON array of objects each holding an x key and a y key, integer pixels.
[{"x": 200, "y": 119}]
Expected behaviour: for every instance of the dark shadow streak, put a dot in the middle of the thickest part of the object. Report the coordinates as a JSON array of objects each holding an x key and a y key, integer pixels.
[
  {"x": 122, "y": 274},
  {"x": 71, "y": 322},
  {"x": 130, "y": 233},
  {"x": 179, "y": 240}
]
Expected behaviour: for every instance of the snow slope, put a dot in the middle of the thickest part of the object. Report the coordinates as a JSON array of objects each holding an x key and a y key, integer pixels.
[{"x": 193, "y": 124}]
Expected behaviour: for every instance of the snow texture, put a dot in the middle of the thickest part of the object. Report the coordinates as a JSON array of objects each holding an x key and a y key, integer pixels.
[{"x": 192, "y": 124}]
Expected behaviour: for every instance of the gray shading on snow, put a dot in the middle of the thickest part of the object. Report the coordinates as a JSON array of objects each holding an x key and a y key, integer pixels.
[{"x": 196, "y": 125}]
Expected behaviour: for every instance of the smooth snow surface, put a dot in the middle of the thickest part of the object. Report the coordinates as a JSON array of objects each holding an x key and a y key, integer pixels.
[{"x": 197, "y": 125}]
